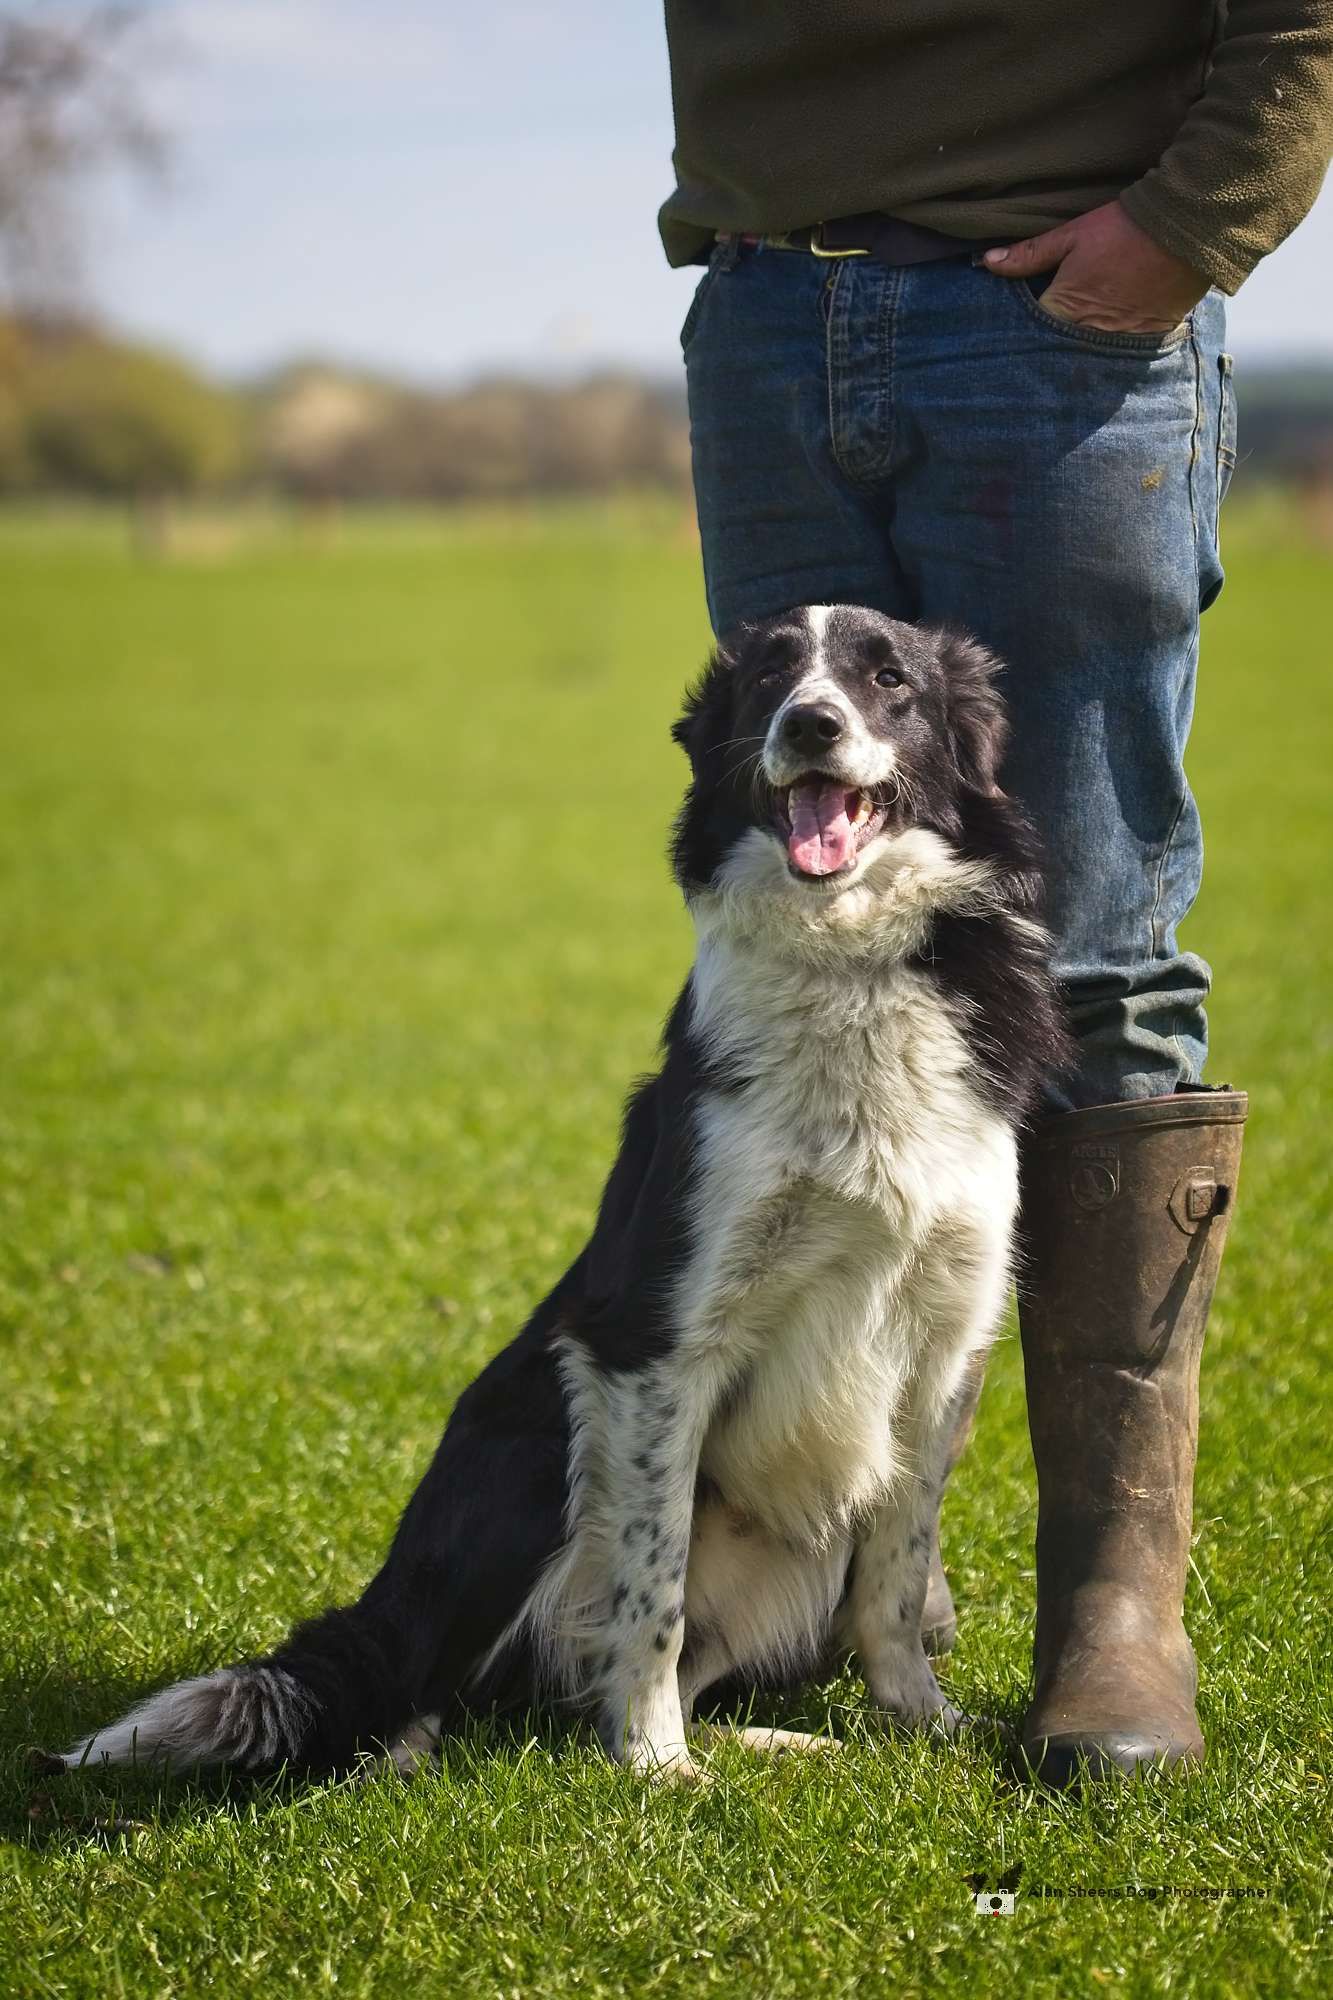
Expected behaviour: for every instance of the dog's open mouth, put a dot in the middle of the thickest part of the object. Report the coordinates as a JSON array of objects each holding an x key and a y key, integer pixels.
[{"x": 825, "y": 824}]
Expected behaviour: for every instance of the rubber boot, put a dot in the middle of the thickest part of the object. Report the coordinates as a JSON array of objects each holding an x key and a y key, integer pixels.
[
  {"x": 1125, "y": 1213},
  {"x": 939, "y": 1620}
]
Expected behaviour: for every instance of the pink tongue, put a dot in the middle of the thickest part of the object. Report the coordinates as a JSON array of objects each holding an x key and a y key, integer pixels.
[{"x": 822, "y": 837}]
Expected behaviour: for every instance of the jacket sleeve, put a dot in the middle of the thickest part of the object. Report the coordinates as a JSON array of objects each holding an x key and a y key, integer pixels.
[{"x": 1249, "y": 159}]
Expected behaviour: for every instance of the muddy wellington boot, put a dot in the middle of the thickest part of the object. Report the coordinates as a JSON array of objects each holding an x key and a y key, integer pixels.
[
  {"x": 1125, "y": 1212},
  {"x": 939, "y": 1620}
]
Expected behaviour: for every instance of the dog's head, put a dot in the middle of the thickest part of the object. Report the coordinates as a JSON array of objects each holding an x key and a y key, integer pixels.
[{"x": 828, "y": 731}]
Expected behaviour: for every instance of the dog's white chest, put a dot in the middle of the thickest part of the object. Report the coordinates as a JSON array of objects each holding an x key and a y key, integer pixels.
[{"x": 853, "y": 1205}]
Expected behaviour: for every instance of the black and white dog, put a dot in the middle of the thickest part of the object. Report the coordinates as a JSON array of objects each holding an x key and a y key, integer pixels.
[{"x": 717, "y": 1447}]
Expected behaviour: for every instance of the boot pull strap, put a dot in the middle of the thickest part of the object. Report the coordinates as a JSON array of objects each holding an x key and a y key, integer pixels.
[{"x": 1196, "y": 1198}]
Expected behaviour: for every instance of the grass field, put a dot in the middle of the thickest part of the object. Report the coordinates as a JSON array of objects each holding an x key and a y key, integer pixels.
[{"x": 335, "y": 922}]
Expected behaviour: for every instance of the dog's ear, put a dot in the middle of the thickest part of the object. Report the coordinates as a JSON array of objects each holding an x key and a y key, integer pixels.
[
  {"x": 705, "y": 724},
  {"x": 978, "y": 725}
]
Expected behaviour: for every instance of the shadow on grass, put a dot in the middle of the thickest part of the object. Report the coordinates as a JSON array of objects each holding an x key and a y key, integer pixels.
[{"x": 47, "y": 1705}]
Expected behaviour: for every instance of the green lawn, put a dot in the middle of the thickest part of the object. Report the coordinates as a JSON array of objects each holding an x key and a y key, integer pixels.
[{"x": 335, "y": 923}]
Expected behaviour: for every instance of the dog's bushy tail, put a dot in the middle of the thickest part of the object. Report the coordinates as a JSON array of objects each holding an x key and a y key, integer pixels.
[{"x": 329, "y": 1691}]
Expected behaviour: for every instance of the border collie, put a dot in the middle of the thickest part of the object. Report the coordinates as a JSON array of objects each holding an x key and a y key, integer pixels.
[{"x": 717, "y": 1448}]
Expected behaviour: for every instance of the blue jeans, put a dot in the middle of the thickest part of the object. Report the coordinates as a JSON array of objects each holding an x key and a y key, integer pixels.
[{"x": 930, "y": 441}]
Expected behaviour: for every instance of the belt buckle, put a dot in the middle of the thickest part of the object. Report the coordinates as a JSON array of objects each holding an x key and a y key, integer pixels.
[{"x": 819, "y": 249}]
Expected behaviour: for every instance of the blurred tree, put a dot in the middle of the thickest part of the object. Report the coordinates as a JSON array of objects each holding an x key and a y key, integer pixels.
[
  {"x": 68, "y": 108},
  {"x": 310, "y": 420},
  {"x": 327, "y": 435},
  {"x": 14, "y": 463},
  {"x": 124, "y": 422}
]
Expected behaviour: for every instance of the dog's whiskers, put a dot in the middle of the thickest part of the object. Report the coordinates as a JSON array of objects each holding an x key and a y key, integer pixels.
[
  {"x": 903, "y": 792},
  {"x": 751, "y": 756},
  {"x": 756, "y": 779}
]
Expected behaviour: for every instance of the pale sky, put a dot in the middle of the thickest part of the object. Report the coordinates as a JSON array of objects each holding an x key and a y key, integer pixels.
[{"x": 448, "y": 188}]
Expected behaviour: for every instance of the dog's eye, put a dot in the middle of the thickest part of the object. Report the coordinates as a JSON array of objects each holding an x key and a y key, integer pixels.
[
  {"x": 888, "y": 677},
  {"x": 768, "y": 678}
]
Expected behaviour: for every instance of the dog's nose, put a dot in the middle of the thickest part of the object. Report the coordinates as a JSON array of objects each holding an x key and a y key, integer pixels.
[{"x": 812, "y": 728}]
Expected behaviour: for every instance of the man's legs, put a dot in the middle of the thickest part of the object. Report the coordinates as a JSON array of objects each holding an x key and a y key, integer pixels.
[{"x": 929, "y": 441}]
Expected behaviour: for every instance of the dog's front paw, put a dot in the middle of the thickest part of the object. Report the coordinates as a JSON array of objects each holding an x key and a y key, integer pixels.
[
  {"x": 644, "y": 1729},
  {"x": 946, "y": 1722},
  {"x": 907, "y": 1696},
  {"x": 902, "y": 1685},
  {"x": 989, "y": 1729}
]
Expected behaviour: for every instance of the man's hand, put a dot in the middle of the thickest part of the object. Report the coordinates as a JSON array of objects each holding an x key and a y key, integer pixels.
[{"x": 1108, "y": 273}]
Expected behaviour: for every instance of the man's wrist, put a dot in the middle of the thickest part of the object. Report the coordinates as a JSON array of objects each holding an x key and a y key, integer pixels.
[{"x": 1216, "y": 263}]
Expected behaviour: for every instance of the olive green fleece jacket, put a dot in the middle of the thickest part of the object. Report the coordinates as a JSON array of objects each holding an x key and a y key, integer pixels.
[{"x": 994, "y": 119}]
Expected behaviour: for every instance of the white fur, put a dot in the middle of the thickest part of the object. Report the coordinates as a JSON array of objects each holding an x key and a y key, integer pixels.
[
  {"x": 148, "y": 1731},
  {"x": 236, "y": 1715},
  {"x": 855, "y": 1202},
  {"x": 817, "y": 619},
  {"x": 852, "y": 1221},
  {"x": 753, "y": 1599}
]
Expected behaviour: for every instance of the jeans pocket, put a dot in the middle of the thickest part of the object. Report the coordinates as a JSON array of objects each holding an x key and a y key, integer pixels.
[
  {"x": 1226, "y": 426},
  {"x": 1103, "y": 339},
  {"x": 698, "y": 302}
]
